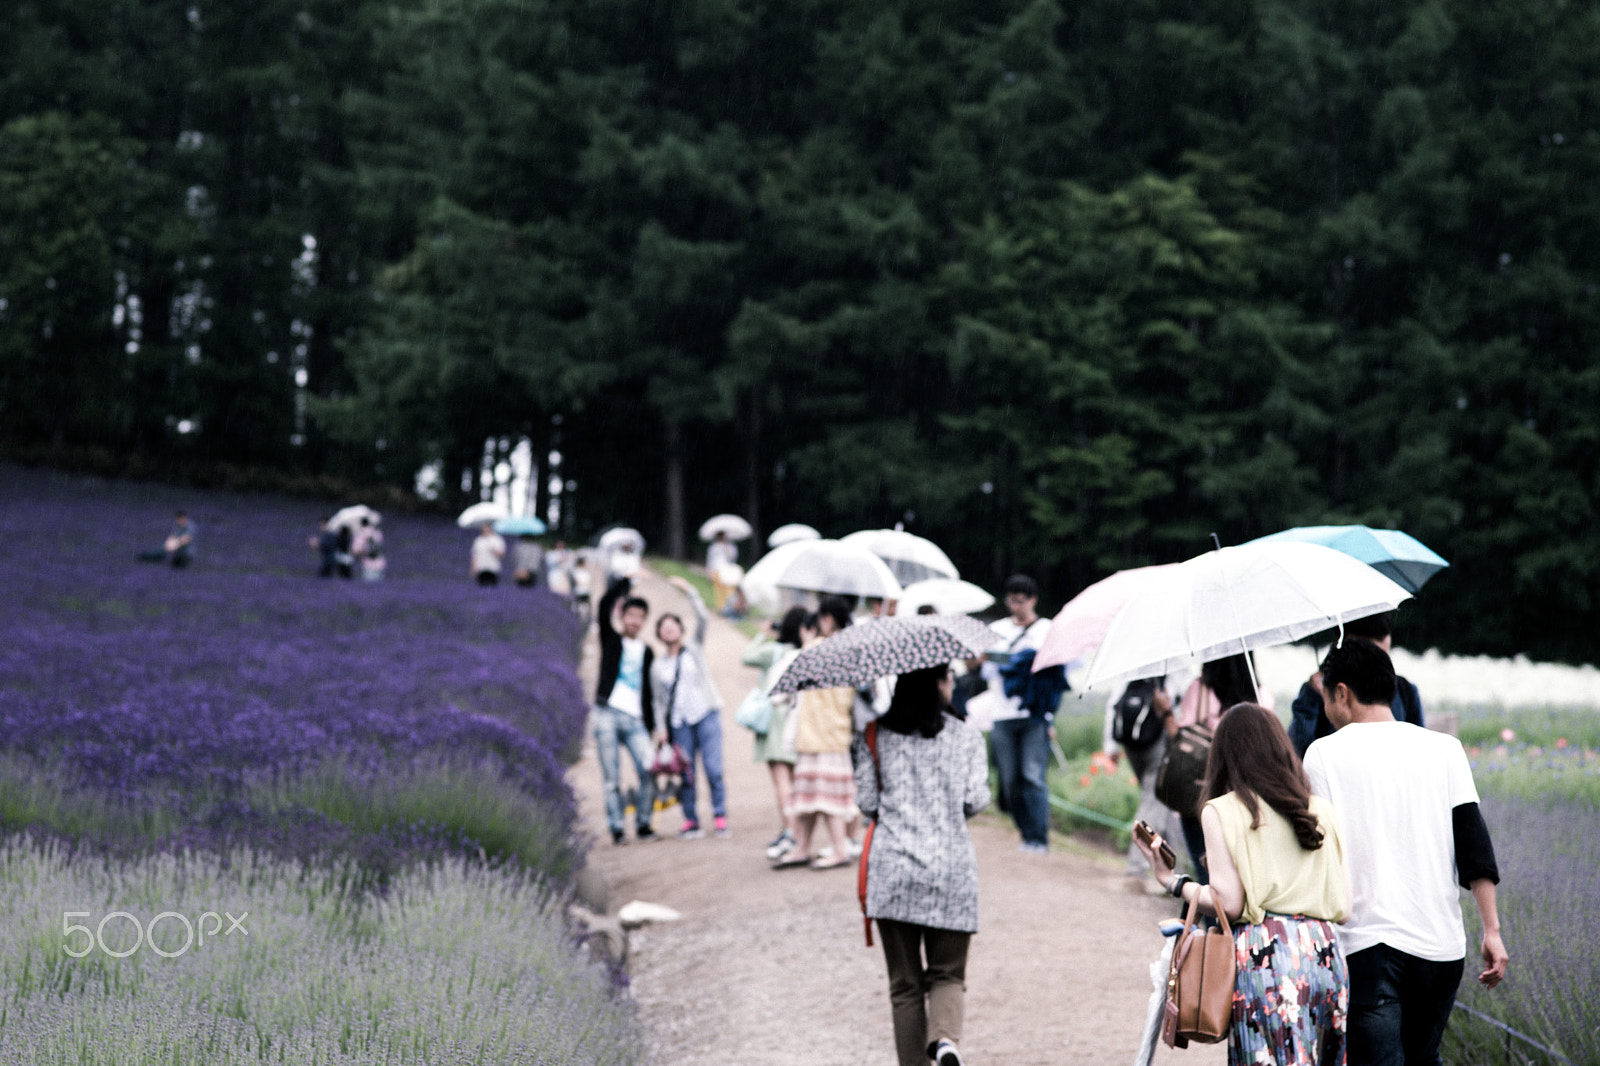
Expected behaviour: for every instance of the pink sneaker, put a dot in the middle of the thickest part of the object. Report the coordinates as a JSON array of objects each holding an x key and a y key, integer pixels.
[{"x": 719, "y": 826}]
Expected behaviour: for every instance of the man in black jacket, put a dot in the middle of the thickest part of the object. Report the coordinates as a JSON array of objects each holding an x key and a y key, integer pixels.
[
  {"x": 1309, "y": 720},
  {"x": 624, "y": 716}
]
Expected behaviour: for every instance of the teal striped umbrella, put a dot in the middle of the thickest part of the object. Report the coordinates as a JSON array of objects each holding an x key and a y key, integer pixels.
[{"x": 1402, "y": 558}]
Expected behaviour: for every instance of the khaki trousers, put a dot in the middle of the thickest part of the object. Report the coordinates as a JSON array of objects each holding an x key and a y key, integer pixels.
[{"x": 928, "y": 1000}]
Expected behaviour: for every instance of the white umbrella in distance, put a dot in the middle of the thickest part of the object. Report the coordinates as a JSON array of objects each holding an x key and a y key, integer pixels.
[
  {"x": 946, "y": 595},
  {"x": 735, "y": 527},
  {"x": 789, "y": 534},
  {"x": 882, "y": 648},
  {"x": 830, "y": 566},
  {"x": 760, "y": 583},
  {"x": 911, "y": 558},
  {"x": 619, "y": 537},
  {"x": 479, "y": 513},
  {"x": 1234, "y": 600},
  {"x": 352, "y": 516}
]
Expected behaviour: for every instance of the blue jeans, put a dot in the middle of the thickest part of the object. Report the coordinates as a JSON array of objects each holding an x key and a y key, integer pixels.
[
  {"x": 1399, "y": 1006},
  {"x": 704, "y": 737},
  {"x": 613, "y": 730},
  {"x": 1022, "y": 755}
]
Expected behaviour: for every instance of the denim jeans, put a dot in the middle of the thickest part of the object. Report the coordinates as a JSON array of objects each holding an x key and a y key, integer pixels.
[
  {"x": 613, "y": 730},
  {"x": 1399, "y": 1006},
  {"x": 705, "y": 738},
  {"x": 1022, "y": 755}
]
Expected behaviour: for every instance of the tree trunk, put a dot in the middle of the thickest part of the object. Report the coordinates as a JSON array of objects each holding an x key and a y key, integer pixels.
[
  {"x": 752, "y": 472},
  {"x": 674, "y": 450}
]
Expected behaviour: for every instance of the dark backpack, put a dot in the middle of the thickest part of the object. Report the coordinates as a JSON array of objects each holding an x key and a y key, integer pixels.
[{"x": 1134, "y": 721}]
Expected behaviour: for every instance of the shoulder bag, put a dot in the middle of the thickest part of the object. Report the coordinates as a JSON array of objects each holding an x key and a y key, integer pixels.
[
  {"x": 755, "y": 712},
  {"x": 1182, "y": 774},
  {"x": 1200, "y": 983}
]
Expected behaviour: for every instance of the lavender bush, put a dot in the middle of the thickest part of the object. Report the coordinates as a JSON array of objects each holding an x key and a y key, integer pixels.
[
  {"x": 1542, "y": 807},
  {"x": 457, "y": 964},
  {"x": 223, "y": 698}
]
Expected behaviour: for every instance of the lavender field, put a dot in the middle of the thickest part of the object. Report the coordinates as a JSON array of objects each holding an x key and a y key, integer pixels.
[{"x": 243, "y": 711}]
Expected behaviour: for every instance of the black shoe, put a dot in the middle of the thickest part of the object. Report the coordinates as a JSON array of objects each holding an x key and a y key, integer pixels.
[
  {"x": 618, "y": 837},
  {"x": 644, "y": 832},
  {"x": 944, "y": 1053}
]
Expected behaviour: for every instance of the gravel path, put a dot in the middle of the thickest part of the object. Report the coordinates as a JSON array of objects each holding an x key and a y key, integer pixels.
[{"x": 771, "y": 968}]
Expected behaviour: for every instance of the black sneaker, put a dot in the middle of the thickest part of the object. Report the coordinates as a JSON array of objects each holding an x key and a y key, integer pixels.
[
  {"x": 618, "y": 837},
  {"x": 644, "y": 832},
  {"x": 945, "y": 1054}
]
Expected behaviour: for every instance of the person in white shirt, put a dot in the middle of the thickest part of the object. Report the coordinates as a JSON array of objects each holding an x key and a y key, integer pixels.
[
  {"x": 488, "y": 549},
  {"x": 1020, "y": 739},
  {"x": 687, "y": 703},
  {"x": 1409, "y": 808}
]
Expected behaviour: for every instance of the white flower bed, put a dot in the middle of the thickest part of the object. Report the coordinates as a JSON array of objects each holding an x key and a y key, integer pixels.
[{"x": 1452, "y": 680}]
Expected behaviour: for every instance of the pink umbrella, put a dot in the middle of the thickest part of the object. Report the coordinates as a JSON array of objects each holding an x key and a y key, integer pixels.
[{"x": 1081, "y": 625}]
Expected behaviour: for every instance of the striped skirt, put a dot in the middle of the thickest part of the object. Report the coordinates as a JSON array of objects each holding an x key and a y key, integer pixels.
[
  {"x": 1292, "y": 994},
  {"x": 824, "y": 783}
]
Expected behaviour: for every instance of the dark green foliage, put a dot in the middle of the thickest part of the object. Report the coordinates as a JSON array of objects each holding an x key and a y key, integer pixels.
[{"x": 1067, "y": 287}]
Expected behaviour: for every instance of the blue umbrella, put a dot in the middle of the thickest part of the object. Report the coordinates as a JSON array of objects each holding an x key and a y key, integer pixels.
[
  {"x": 1398, "y": 556},
  {"x": 524, "y": 526}
]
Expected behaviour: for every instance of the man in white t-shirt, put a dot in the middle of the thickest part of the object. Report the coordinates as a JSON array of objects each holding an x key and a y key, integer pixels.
[
  {"x": 1020, "y": 739},
  {"x": 1412, "y": 832}
]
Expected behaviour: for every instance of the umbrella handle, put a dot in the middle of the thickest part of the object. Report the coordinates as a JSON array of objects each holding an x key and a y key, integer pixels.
[{"x": 1061, "y": 756}]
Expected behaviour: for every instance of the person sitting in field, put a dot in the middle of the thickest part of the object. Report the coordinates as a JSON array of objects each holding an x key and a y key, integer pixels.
[
  {"x": 1310, "y": 722},
  {"x": 528, "y": 562},
  {"x": 326, "y": 542},
  {"x": 488, "y": 549},
  {"x": 178, "y": 549},
  {"x": 1412, "y": 832}
]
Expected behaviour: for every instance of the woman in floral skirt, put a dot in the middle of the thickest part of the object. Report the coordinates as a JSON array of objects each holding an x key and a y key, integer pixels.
[{"x": 1277, "y": 867}]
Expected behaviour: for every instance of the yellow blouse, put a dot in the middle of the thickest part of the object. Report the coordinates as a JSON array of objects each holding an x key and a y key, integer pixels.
[
  {"x": 823, "y": 720},
  {"x": 1277, "y": 873}
]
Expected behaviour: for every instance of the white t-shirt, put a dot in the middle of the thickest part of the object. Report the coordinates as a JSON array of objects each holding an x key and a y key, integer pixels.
[
  {"x": 487, "y": 551},
  {"x": 627, "y": 694},
  {"x": 1012, "y": 637},
  {"x": 1394, "y": 786}
]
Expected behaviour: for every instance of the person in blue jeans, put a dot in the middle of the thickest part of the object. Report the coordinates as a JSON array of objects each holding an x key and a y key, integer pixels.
[
  {"x": 1021, "y": 743},
  {"x": 687, "y": 701},
  {"x": 624, "y": 711}
]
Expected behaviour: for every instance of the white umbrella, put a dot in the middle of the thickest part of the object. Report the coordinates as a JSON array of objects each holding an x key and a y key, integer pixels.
[
  {"x": 479, "y": 513},
  {"x": 910, "y": 557},
  {"x": 789, "y": 534},
  {"x": 1234, "y": 600},
  {"x": 735, "y": 527},
  {"x": 621, "y": 537},
  {"x": 352, "y": 516},
  {"x": 760, "y": 583},
  {"x": 946, "y": 595},
  {"x": 831, "y": 566}
]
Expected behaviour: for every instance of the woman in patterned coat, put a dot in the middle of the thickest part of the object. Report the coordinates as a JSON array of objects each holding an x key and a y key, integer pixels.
[{"x": 929, "y": 776}]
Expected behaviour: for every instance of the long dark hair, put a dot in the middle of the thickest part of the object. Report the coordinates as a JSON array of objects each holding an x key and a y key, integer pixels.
[
  {"x": 1251, "y": 757},
  {"x": 789, "y": 628},
  {"x": 1230, "y": 679},
  {"x": 918, "y": 705}
]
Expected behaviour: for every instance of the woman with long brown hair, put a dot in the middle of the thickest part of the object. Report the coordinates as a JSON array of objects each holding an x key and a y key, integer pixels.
[{"x": 1277, "y": 866}]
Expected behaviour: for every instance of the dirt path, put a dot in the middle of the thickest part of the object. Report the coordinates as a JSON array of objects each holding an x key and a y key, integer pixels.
[{"x": 770, "y": 967}]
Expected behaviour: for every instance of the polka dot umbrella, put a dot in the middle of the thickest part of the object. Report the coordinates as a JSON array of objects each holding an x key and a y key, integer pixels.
[{"x": 885, "y": 647}]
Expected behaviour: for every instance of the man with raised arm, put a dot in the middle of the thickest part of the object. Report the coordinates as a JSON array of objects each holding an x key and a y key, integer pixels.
[
  {"x": 1413, "y": 832},
  {"x": 624, "y": 716}
]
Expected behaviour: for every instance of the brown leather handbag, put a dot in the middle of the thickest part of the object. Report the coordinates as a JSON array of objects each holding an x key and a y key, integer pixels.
[{"x": 1200, "y": 983}]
